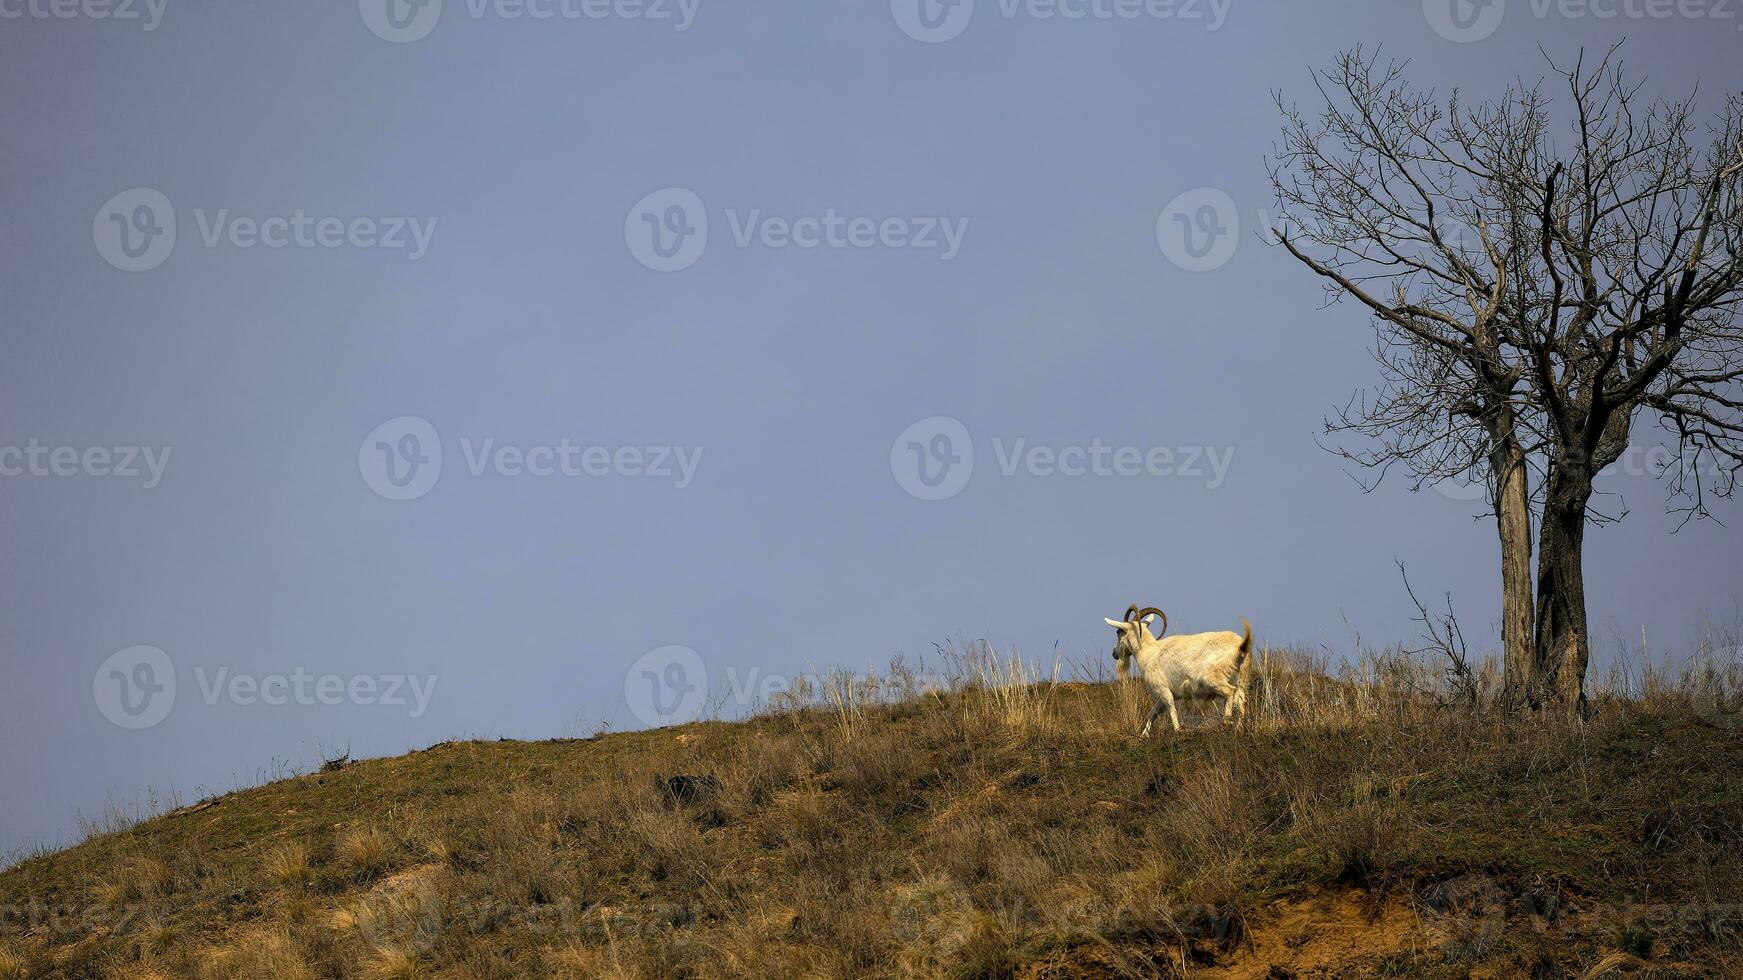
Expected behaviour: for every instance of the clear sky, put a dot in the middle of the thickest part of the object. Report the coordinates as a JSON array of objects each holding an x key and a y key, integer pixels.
[{"x": 492, "y": 223}]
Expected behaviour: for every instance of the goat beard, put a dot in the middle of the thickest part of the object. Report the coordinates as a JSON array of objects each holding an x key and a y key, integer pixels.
[{"x": 1123, "y": 669}]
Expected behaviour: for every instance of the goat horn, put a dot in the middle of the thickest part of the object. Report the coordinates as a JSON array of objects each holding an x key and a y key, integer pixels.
[
  {"x": 1147, "y": 610},
  {"x": 1131, "y": 612}
]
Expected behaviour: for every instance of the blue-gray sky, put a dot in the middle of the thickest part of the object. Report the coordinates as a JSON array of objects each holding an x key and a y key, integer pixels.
[{"x": 525, "y": 150}]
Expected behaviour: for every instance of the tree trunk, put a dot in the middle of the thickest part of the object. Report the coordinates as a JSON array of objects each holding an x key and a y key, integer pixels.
[
  {"x": 1513, "y": 519},
  {"x": 1561, "y": 651}
]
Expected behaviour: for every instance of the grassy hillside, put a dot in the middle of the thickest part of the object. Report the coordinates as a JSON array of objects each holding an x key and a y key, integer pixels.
[{"x": 999, "y": 827}]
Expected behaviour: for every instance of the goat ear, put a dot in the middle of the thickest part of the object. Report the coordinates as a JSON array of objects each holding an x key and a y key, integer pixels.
[
  {"x": 1149, "y": 619},
  {"x": 1116, "y": 624}
]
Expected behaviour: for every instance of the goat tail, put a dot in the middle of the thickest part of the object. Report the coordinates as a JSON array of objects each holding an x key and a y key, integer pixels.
[{"x": 1246, "y": 651}]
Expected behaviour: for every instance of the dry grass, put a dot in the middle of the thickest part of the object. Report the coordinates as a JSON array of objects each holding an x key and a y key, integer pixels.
[
  {"x": 363, "y": 850},
  {"x": 255, "y": 953},
  {"x": 133, "y": 880},
  {"x": 287, "y": 864},
  {"x": 992, "y": 821},
  {"x": 392, "y": 963}
]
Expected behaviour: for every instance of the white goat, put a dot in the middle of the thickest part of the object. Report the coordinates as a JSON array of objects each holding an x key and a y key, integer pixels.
[{"x": 1197, "y": 665}]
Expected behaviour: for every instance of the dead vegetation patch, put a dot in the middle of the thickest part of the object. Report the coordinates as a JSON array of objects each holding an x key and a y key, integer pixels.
[{"x": 1003, "y": 826}]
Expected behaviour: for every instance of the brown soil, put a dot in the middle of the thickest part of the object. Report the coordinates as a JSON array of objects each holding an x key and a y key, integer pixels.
[{"x": 1323, "y": 934}]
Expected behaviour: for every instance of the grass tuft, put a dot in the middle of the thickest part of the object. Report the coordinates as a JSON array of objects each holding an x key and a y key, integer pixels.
[
  {"x": 288, "y": 864},
  {"x": 363, "y": 851}
]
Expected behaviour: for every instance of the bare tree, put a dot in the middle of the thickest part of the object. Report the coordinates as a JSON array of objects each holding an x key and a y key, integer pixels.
[
  {"x": 1406, "y": 206},
  {"x": 1634, "y": 310},
  {"x": 1533, "y": 295}
]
